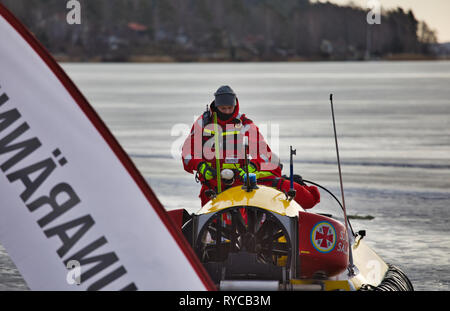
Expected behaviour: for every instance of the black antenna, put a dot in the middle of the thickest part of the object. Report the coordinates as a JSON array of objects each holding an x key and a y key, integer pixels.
[
  {"x": 247, "y": 186},
  {"x": 291, "y": 193},
  {"x": 351, "y": 265}
]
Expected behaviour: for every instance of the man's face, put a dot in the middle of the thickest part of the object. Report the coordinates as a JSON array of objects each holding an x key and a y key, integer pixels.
[{"x": 226, "y": 109}]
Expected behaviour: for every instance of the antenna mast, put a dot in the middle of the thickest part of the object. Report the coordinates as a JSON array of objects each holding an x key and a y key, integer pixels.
[{"x": 351, "y": 265}]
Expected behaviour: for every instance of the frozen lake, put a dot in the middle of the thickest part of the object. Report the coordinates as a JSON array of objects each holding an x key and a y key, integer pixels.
[{"x": 393, "y": 122}]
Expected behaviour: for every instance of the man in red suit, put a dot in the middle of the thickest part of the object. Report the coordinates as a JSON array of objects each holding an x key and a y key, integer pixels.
[{"x": 199, "y": 153}]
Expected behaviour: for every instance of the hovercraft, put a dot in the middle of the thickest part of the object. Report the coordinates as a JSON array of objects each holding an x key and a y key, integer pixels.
[
  {"x": 255, "y": 237},
  {"x": 260, "y": 239}
]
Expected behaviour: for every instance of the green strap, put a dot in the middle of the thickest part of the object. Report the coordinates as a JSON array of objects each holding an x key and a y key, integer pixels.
[
  {"x": 231, "y": 166},
  {"x": 223, "y": 133},
  {"x": 262, "y": 174}
]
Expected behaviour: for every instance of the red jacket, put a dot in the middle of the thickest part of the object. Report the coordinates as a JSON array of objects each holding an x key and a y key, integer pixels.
[{"x": 199, "y": 147}]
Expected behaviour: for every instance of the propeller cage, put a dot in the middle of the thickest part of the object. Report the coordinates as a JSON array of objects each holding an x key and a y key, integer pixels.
[{"x": 246, "y": 242}]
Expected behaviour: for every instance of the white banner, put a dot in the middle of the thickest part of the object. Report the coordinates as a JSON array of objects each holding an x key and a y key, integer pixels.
[{"x": 69, "y": 195}]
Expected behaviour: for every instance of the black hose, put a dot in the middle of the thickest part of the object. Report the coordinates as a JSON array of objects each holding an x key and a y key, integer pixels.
[
  {"x": 337, "y": 200},
  {"x": 394, "y": 280},
  {"x": 322, "y": 187}
]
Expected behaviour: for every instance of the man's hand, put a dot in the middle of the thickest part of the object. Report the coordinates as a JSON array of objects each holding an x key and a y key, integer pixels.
[
  {"x": 206, "y": 171},
  {"x": 251, "y": 169}
]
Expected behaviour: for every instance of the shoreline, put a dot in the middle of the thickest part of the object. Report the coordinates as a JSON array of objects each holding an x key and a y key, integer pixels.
[{"x": 172, "y": 59}]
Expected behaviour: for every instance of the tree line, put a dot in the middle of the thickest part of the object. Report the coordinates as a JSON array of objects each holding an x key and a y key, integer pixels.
[{"x": 229, "y": 30}]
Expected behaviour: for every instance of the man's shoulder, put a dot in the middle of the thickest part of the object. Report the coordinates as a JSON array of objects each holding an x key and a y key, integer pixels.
[
  {"x": 244, "y": 119},
  {"x": 206, "y": 118},
  {"x": 203, "y": 119}
]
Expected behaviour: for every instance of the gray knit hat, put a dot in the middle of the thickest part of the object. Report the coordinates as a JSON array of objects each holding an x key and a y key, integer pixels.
[{"x": 225, "y": 96}]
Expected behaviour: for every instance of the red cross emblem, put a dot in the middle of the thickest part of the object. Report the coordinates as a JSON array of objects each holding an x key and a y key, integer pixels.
[{"x": 323, "y": 237}]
